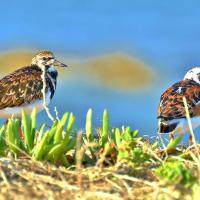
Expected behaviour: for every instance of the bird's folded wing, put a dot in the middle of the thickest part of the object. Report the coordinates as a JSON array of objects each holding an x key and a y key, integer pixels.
[
  {"x": 171, "y": 103},
  {"x": 21, "y": 87}
]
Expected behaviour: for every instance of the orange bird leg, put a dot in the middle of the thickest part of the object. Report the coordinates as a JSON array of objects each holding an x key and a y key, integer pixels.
[
  {"x": 171, "y": 136},
  {"x": 190, "y": 140},
  {"x": 21, "y": 134}
]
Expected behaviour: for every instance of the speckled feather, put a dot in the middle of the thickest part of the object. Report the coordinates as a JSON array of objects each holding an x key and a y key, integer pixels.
[
  {"x": 171, "y": 102},
  {"x": 22, "y": 87}
]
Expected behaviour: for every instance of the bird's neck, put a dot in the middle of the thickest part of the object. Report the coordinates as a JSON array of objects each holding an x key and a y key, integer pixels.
[
  {"x": 50, "y": 69},
  {"x": 46, "y": 68},
  {"x": 51, "y": 77}
]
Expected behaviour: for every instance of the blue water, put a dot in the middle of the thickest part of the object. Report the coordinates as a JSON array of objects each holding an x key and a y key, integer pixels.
[{"x": 163, "y": 34}]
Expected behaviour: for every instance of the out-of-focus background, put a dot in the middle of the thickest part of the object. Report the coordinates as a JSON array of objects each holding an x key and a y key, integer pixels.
[{"x": 122, "y": 54}]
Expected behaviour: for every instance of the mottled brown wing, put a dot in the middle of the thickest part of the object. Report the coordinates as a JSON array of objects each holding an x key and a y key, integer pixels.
[
  {"x": 21, "y": 87},
  {"x": 171, "y": 102}
]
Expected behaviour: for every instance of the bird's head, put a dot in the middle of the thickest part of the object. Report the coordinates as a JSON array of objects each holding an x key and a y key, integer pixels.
[
  {"x": 193, "y": 74},
  {"x": 46, "y": 58}
]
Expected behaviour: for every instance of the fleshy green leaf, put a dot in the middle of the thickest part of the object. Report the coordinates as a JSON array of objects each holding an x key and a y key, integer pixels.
[
  {"x": 105, "y": 128},
  {"x": 173, "y": 143},
  {"x": 88, "y": 126},
  {"x": 26, "y": 122}
]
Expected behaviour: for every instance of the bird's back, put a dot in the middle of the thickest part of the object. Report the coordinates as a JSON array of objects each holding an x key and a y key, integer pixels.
[{"x": 171, "y": 109}]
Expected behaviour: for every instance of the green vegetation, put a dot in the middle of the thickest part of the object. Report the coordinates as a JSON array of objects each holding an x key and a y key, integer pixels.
[{"x": 126, "y": 164}]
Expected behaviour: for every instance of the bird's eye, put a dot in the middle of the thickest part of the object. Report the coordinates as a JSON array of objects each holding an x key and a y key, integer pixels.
[{"x": 44, "y": 58}]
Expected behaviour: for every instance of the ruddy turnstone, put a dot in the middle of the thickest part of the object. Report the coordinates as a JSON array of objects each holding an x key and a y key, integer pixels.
[
  {"x": 22, "y": 89},
  {"x": 171, "y": 110}
]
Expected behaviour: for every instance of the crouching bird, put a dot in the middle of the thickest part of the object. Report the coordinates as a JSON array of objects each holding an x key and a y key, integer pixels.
[
  {"x": 22, "y": 89},
  {"x": 171, "y": 110}
]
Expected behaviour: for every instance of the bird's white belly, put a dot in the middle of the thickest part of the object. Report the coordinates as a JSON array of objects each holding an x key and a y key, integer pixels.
[
  {"x": 17, "y": 111},
  {"x": 183, "y": 125}
]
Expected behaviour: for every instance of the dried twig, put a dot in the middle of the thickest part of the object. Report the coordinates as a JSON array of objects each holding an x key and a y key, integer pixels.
[{"x": 187, "y": 114}]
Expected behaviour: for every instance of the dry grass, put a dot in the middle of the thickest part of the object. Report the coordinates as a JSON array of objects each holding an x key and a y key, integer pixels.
[{"x": 28, "y": 179}]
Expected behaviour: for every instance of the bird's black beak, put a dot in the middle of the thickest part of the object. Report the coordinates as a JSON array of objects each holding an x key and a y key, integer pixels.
[{"x": 59, "y": 64}]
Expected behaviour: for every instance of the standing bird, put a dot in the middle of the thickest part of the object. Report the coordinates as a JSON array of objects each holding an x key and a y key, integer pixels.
[
  {"x": 171, "y": 110},
  {"x": 22, "y": 89}
]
